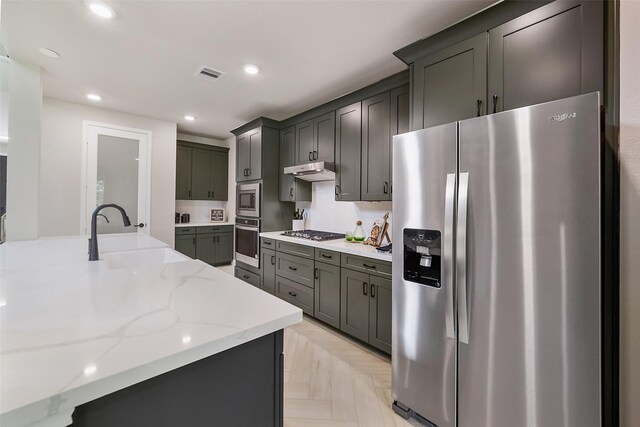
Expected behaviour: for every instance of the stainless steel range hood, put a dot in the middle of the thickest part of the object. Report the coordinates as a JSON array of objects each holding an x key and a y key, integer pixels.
[{"x": 318, "y": 171}]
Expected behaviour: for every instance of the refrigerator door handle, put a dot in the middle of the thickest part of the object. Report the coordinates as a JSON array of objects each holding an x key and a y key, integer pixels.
[
  {"x": 447, "y": 258},
  {"x": 461, "y": 257}
]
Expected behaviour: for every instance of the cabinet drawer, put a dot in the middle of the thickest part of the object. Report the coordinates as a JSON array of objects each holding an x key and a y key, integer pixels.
[
  {"x": 295, "y": 293},
  {"x": 247, "y": 276},
  {"x": 215, "y": 229},
  {"x": 293, "y": 249},
  {"x": 330, "y": 257},
  {"x": 295, "y": 268},
  {"x": 185, "y": 230},
  {"x": 368, "y": 265},
  {"x": 268, "y": 243}
]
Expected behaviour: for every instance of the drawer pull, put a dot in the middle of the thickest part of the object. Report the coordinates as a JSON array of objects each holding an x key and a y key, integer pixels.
[
  {"x": 246, "y": 277},
  {"x": 293, "y": 294},
  {"x": 368, "y": 266},
  {"x": 266, "y": 242},
  {"x": 326, "y": 256},
  {"x": 293, "y": 268}
]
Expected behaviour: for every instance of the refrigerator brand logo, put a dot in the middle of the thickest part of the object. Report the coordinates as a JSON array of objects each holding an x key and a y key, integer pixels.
[{"x": 562, "y": 117}]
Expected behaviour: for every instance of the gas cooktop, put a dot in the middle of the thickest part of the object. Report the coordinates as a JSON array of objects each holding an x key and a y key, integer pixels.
[{"x": 316, "y": 235}]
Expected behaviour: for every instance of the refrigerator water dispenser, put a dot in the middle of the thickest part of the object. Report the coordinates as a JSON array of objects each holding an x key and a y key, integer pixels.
[{"x": 422, "y": 256}]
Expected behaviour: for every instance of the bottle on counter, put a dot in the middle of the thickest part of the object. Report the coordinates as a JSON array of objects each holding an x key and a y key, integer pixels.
[{"x": 358, "y": 233}]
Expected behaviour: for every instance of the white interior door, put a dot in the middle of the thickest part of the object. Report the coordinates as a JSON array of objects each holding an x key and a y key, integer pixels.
[{"x": 116, "y": 170}]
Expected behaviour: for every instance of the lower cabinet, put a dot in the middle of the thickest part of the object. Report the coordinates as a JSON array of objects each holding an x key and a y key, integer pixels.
[
  {"x": 297, "y": 294},
  {"x": 186, "y": 245},
  {"x": 327, "y": 293},
  {"x": 268, "y": 265},
  {"x": 247, "y": 276},
  {"x": 366, "y": 308}
]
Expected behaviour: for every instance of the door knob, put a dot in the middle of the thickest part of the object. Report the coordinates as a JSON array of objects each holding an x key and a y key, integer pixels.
[{"x": 141, "y": 225}]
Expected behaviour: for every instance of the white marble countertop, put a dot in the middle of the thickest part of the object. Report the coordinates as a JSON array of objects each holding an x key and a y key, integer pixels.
[
  {"x": 338, "y": 245},
  {"x": 202, "y": 224},
  {"x": 73, "y": 330}
]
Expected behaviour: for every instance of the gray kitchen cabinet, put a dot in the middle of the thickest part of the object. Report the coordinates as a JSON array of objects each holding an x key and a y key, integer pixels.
[
  {"x": 183, "y": 172},
  {"x": 249, "y": 155},
  {"x": 553, "y": 52},
  {"x": 247, "y": 276},
  {"x": 348, "y": 152},
  {"x": 327, "y": 293},
  {"x": 206, "y": 248},
  {"x": 201, "y": 172},
  {"x": 376, "y": 148},
  {"x": 354, "y": 304},
  {"x": 295, "y": 293},
  {"x": 450, "y": 84},
  {"x": 214, "y": 248},
  {"x": 315, "y": 139},
  {"x": 295, "y": 268},
  {"x": 224, "y": 248},
  {"x": 380, "y": 313},
  {"x": 291, "y": 189},
  {"x": 186, "y": 244},
  {"x": 268, "y": 265},
  {"x": 400, "y": 121}
]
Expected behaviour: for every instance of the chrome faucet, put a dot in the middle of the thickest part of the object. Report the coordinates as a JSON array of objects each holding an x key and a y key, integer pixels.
[{"x": 94, "y": 255}]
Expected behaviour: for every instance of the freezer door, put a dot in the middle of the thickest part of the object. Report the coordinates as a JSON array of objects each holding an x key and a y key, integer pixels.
[
  {"x": 423, "y": 339},
  {"x": 529, "y": 285}
]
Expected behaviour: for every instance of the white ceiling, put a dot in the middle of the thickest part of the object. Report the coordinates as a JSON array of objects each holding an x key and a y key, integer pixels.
[{"x": 143, "y": 61}]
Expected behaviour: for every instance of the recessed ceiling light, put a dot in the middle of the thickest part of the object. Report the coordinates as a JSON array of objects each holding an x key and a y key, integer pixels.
[
  {"x": 94, "y": 97},
  {"x": 101, "y": 9},
  {"x": 251, "y": 69},
  {"x": 48, "y": 52},
  {"x": 189, "y": 118},
  {"x": 90, "y": 370}
]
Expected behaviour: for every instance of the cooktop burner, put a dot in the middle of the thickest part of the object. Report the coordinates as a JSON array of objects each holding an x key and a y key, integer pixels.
[{"x": 316, "y": 235}]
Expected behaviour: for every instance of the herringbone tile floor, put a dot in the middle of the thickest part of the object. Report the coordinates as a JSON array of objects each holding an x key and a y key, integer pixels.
[{"x": 331, "y": 380}]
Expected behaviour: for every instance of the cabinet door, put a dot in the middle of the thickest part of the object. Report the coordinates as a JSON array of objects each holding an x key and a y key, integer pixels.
[
  {"x": 327, "y": 293},
  {"x": 268, "y": 271},
  {"x": 223, "y": 248},
  {"x": 399, "y": 123},
  {"x": 243, "y": 157},
  {"x": 186, "y": 245},
  {"x": 304, "y": 142},
  {"x": 255, "y": 162},
  {"x": 183, "y": 173},
  {"x": 220, "y": 183},
  {"x": 201, "y": 174},
  {"x": 287, "y": 158},
  {"x": 205, "y": 248},
  {"x": 450, "y": 85},
  {"x": 551, "y": 53},
  {"x": 354, "y": 304},
  {"x": 324, "y": 129},
  {"x": 380, "y": 313},
  {"x": 376, "y": 148},
  {"x": 348, "y": 152}
]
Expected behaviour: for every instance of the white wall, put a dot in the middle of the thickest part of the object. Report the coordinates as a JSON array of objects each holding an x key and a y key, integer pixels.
[
  {"x": 23, "y": 151},
  {"x": 199, "y": 210},
  {"x": 61, "y": 163},
  {"x": 629, "y": 214},
  {"x": 328, "y": 215}
]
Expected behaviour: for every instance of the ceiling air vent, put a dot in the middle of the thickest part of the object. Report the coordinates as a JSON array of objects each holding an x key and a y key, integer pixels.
[{"x": 208, "y": 73}]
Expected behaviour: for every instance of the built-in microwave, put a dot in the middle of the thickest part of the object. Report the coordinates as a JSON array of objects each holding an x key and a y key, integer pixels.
[
  {"x": 247, "y": 242},
  {"x": 248, "y": 200}
]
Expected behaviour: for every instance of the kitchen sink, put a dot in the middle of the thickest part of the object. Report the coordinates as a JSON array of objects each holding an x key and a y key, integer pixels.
[{"x": 129, "y": 259}]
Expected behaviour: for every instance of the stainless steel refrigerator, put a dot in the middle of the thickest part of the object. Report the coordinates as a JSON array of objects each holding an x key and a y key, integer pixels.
[{"x": 496, "y": 268}]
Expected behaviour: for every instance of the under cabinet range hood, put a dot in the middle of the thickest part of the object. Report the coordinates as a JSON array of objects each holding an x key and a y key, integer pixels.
[{"x": 317, "y": 171}]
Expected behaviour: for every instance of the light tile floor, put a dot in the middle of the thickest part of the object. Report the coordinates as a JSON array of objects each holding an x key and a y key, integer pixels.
[{"x": 331, "y": 380}]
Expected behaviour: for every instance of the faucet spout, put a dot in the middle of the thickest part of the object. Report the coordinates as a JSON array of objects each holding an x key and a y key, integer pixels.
[{"x": 94, "y": 254}]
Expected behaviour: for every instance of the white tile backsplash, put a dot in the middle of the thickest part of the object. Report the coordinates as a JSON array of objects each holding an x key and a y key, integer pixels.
[
  {"x": 200, "y": 210},
  {"x": 328, "y": 215}
]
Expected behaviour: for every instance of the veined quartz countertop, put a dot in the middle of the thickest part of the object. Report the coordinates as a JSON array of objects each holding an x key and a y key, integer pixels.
[
  {"x": 338, "y": 245},
  {"x": 73, "y": 330},
  {"x": 202, "y": 224}
]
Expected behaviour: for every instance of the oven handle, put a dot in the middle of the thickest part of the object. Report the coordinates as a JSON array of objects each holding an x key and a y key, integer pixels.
[{"x": 247, "y": 227}]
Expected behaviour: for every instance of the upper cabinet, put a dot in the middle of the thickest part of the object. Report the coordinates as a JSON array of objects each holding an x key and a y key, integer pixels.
[
  {"x": 291, "y": 189},
  {"x": 554, "y": 52},
  {"x": 523, "y": 53},
  {"x": 201, "y": 172},
  {"x": 376, "y": 148},
  {"x": 348, "y": 152},
  {"x": 249, "y": 155},
  {"x": 315, "y": 139},
  {"x": 451, "y": 84}
]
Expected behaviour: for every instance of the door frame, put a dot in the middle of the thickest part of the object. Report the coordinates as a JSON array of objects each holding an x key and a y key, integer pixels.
[{"x": 90, "y": 131}]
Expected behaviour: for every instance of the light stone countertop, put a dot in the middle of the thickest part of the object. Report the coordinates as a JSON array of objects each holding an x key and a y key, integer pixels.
[
  {"x": 338, "y": 245},
  {"x": 202, "y": 224},
  {"x": 73, "y": 330}
]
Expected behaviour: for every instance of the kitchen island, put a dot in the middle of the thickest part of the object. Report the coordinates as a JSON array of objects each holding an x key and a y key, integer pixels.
[{"x": 145, "y": 336}]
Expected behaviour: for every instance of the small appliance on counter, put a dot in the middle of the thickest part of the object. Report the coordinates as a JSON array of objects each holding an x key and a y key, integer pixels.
[{"x": 185, "y": 218}]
